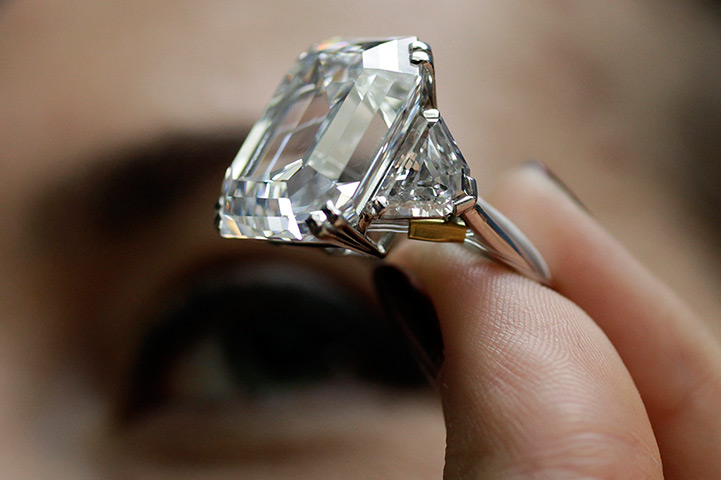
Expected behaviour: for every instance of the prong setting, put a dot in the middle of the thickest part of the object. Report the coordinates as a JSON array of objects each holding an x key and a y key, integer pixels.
[
  {"x": 468, "y": 198},
  {"x": 373, "y": 211},
  {"x": 329, "y": 226},
  {"x": 431, "y": 114},
  {"x": 422, "y": 55},
  {"x": 420, "y": 52}
]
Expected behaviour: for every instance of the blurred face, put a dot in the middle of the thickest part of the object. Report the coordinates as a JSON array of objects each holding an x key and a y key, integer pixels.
[{"x": 137, "y": 343}]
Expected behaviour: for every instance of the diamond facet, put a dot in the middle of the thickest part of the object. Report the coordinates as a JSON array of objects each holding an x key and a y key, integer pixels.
[
  {"x": 427, "y": 173},
  {"x": 350, "y": 129},
  {"x": 328, "y": 134}
]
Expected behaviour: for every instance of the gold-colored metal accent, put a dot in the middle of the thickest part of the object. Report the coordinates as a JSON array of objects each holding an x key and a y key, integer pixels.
[{"x": 437, "y": 230}]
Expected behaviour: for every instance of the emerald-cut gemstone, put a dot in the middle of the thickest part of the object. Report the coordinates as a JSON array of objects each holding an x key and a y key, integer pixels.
[
  {"x": 329, "y": 132},
  {"x": 345, "y": 126}
]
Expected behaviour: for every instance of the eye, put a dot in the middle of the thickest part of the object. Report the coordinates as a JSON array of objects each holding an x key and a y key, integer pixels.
[{"x": 267, "y": 331}]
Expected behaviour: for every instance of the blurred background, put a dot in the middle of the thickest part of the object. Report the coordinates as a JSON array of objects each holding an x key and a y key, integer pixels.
[{"x": 117, "y": 120}]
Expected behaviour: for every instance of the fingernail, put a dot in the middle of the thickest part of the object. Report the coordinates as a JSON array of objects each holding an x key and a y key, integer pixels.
[
  {"x": 549, "y": 174},
  {"x": 412, "y": 311}
]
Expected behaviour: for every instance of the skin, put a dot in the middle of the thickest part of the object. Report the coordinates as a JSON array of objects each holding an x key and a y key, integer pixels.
[
  {"x": 565, "y": 383},
  {"x": 538, "y": 382}
]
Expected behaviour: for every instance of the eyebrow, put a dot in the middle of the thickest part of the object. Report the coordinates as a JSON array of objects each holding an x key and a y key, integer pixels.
[{"x": 121, "y": 192}]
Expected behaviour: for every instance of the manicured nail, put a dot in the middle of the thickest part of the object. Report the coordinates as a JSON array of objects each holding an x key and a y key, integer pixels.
[
  {"x": 549, "y": 174},
  {"x": 413, "y": 312}
]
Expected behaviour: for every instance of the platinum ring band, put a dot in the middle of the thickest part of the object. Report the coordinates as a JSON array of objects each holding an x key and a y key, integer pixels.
[{"x": 490, "y": 232}]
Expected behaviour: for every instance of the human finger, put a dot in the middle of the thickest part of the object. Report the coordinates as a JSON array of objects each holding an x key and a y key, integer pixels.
[
  {"x": 673, "y": 359},
  {"x": 530, "y": 385}
]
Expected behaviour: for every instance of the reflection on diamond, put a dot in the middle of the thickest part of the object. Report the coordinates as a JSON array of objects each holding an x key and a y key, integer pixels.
[
  {"x": 327, "y": 135},
  {"x": 427, "y": 174}
]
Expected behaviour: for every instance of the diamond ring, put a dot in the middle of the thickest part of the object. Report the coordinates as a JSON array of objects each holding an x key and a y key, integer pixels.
[{"x": 352, "y": 151}]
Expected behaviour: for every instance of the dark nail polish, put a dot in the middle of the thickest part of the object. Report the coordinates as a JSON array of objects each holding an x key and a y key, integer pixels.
[
  {"x": 413, "y": 312},
  {"x": 548, "y": 173}
]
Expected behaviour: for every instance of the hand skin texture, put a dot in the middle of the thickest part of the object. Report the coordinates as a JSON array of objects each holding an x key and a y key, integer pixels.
[{"x": 605, "y": 375}]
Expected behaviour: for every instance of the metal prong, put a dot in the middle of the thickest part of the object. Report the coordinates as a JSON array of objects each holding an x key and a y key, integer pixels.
[
  {"x": 420, "y": 52},
  {"x": 467, "y": 200},
  {"x": 431, "y": 114},
  {"x": 371, "y": 212},
  {"x": 421, "y": 55},
  {"x": 462, "y": 204},
  {"x": 329, "y": 226}
]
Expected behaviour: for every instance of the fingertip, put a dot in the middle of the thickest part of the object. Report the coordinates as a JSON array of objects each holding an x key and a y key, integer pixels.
[{"x": 529, "y": 381}]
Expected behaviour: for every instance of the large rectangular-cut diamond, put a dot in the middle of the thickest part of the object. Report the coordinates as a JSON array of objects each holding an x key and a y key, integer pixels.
[{"x": 328, "y": 134}]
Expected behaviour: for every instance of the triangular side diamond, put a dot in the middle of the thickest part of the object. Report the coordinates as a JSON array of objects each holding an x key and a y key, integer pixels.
[{"x": 427, "y": 174}]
